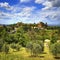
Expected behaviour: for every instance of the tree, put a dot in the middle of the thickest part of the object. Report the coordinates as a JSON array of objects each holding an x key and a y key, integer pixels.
[
  {"x": 43, "y": 35},
  {"x": 19, "y": 35},
  {"x": 41, "y": 43},
  {"x": 29, "y": 47},
  {"x": 34, "y": 48},
  {"x": 37, "y": 49},
  {"x": 53, "y": 36},
  {"x": 58, "y": 33},
  {"x": 55, "y": 49}
]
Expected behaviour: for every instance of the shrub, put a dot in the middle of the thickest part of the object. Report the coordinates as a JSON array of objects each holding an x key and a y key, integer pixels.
[
  {"x": 5, "y": 48},
  {"x": 29, "y": 47},
  {"x": 55, "y": 48},
  {"x": 34, "y": 48},
  {"x": 1, "y": 45},
  {"x": 41, "y": 43},
  {"x": 18, "y": 47},
  {"x": 15, "y": 46},
  {"x": 37, "y": 49}
]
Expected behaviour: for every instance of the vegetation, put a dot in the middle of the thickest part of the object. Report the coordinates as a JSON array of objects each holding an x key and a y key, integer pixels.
[
  {"x": 15, "y": 46},
  {"x": 55, "y": 49},
  {"x": 30, "y": 37},
  {"x": 5, "y": 48},
  {"x": 35, "y": 48}
]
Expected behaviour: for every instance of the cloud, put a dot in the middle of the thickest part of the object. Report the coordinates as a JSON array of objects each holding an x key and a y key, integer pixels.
[
  {"x": 55, "y": 16},
  {"x": 23, "y": 11},
  {"x": 28, "y": 9},
  {"x": 39, "y": 1},
  {"x": 48, "y": 3},
  {"x": 4, "y": 15},
  {"x": 6, "y": 5},
  {"x": 24, "y": 1},
  {"x": 55, "y": 3},
  {"x": 23, "y": 15},
  {"x": 30, "y": 14}
]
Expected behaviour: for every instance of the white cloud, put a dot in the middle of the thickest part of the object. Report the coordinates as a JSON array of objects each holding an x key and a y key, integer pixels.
[
  {"x": 29, "y": 14},
  {"x": 24, "y": 1},
  {"x": 28, "y": 9},
  {"x": 6, "y": 5},
  {"x": 24, "y": 12},
  {"x": 39, "y": 1},
  {"x": 48, "y": 3},
  {"x": 23, "y": 15}
]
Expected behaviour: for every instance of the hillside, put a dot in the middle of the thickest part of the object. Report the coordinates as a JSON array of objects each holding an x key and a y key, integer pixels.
[{"x": 23, "y": 41}]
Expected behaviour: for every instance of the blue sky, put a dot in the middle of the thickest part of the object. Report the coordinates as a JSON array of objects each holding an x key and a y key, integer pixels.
[{"x": 30, "y": 11}]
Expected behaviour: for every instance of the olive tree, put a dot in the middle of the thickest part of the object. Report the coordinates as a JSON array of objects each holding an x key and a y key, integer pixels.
[
  {"x": 34, "y": 48},
  {"x": 55, "y": 48}
]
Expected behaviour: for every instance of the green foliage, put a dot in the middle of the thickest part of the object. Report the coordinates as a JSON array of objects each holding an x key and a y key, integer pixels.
[
  {"x": 41, "y": 43},
  {"x": 28, "y": 35},
  {"x": 54, "y": 36},
  {"x": 20, "y": 37},
  {"x": 5, "y": 48},
  {"x": 35, "y": 48},
  {"x": 15, "y": 46},
  {"x": 29, "y": 47},
  {"x": 1, "y": 44},
  {"x": 55, "y": 48},
  {"x": 18, "y": 47}
]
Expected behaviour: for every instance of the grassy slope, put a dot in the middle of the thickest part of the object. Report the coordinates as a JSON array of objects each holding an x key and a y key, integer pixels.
[{"x": 23, "y": 55}]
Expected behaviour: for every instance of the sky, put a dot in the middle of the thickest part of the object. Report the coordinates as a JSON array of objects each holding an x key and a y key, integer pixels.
[{"x": 30, "y": 11}]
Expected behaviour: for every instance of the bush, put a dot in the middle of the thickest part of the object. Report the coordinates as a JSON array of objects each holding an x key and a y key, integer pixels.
[
  {"x": 34, "y": 48},
  {"x": 41, "y": 43},
  {"x": 15, "y": 46},
  {"x": 55, "y": 49},
  {"x": 18, "y": 47},
  {"x": 29, "y": 47},
  {"x": 5, "y": 48},
  {"x": 1, "y": 45},
  {"x": 37, "y": 49}
]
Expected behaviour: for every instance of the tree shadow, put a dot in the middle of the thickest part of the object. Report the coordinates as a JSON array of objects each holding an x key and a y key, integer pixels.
[
  {"x": 33, "y": 56},
  {"x": 57, "y": 58}
]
